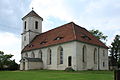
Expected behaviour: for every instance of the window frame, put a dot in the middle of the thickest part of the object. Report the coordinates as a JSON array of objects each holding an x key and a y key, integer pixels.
[
  {"x": 25, "y": 24},
  {"x": 95, "y": 56},
  {"x": 61, "y": 55},
  {"x": 49, "y": 57},
  {"x": 36, "y": 24}
]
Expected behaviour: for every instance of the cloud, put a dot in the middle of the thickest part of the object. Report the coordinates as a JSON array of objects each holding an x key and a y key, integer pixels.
[
  {"x": 54, "y": 8},
  {"x": 87, "y": 13},
  {"x": 91, "y": 14},
  {"x": 11, "y": 13},
  {"x": 10, "y": 44}
]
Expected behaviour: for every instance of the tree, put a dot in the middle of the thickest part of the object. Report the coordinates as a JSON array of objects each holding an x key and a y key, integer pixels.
[
  {"x": 99, "y": 35},
  {"x": 13, "y": 65},
  {"x": 115, "y": 51},
  {"x": 1, "y": 52},
  {"x": 6, "y": 62}
]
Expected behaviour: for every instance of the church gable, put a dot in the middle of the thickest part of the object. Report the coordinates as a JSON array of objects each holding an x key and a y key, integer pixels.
[{"x": 62, "y": 34}]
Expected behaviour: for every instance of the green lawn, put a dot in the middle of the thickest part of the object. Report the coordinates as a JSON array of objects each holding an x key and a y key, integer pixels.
[{"x": 56, "y": 75}]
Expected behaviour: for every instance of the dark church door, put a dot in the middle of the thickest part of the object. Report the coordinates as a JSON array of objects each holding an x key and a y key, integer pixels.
[
  {"x": 23, "y": 65},
  {"x": 69, "y": 61}
]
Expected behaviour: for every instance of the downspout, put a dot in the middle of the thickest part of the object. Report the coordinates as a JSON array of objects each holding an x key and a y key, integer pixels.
[{"x": 98, "y": 59}]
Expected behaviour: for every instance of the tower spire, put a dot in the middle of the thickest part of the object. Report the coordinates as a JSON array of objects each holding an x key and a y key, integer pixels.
[{"x": 32, "y": 8}]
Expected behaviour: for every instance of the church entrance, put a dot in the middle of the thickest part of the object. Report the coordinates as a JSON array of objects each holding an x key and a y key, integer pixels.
[
  {"x": 69, "y": 61},
  {"x": 23, "y": 65}
]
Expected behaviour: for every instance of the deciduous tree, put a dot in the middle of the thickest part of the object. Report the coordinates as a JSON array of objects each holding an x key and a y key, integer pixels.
[
  {"x": 98, "y": 34},
  {"x": 115, "y": 51},
  {"x": 6, "y": 63}
]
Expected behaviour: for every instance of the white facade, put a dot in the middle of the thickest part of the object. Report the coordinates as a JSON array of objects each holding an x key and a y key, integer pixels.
[
  {"x": 75, "y": 50},
  {"x": 75, "y": 54}
]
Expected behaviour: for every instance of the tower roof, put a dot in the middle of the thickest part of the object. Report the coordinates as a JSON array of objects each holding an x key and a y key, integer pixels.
[
  {"x": 32, "y": 14},
  {"x": 65, "y": 33}
]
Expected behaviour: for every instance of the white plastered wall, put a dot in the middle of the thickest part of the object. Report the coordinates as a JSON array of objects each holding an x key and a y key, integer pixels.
[{"x": 73, "y": 49}]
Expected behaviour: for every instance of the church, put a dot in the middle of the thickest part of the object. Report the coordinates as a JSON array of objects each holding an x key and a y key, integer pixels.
[{"x": 66, "y": 46}]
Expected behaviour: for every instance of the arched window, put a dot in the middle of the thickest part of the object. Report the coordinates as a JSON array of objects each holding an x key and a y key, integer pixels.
[
  {"x": 32, "y": 55},
  {"x": 40, "y": 54},
  {"x": 25, "y": 25},
  {"x": 26, "y": 55},
  {"x": 95, "y": 56},
  {"x": 84, "y": 53},
  {"x": 103, "y": 53},
  {"x": 103, "y": 64},
  {"x": 36, "y": 24},
  {"x": 84, "y": 57},
  {"x": 49, "y": 57},
  {"x": 60, "y": 55}
]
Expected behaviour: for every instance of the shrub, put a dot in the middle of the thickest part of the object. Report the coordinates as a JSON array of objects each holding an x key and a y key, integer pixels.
[{"x": 69, "y": 69}]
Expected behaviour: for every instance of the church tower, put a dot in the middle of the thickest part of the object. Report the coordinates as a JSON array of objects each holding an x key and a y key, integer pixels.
[{"x": 32, "y": 26}]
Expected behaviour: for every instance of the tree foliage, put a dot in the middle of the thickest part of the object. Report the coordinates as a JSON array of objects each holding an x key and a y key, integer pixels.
[
  {"x": 1, "y": 52},
  {"x": 6, "y": 63},
  {"x": 115, "y": 51},
  {"x": 99, "y": 35}
]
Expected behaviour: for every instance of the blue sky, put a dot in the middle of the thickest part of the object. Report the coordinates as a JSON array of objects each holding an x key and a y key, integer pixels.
[{"x": 91, "y": 14}]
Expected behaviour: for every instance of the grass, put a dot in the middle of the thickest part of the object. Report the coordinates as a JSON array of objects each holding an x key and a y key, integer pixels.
[{"x": 55, "y": 75}]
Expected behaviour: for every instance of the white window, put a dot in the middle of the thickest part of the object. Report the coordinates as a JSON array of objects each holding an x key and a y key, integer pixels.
[{"x": 60, "y": 55}]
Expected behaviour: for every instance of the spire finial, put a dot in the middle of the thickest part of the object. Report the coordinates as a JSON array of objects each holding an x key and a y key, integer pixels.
[{"x": 32, "y": 8}]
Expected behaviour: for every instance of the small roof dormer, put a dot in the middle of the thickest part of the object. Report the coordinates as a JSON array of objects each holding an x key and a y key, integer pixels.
[{"x": 32, "y": 14}]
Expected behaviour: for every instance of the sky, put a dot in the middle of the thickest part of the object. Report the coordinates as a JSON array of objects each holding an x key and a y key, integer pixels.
[{"x": 103, "y": 15}]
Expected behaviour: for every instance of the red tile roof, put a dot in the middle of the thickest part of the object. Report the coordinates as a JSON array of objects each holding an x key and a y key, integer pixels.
[{"x": 62, "y": 34}]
